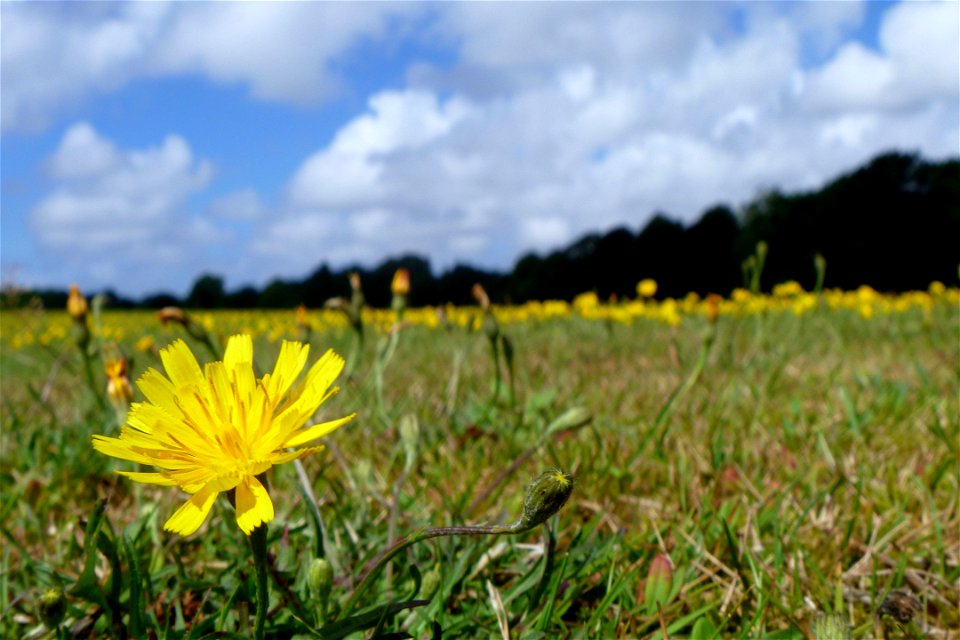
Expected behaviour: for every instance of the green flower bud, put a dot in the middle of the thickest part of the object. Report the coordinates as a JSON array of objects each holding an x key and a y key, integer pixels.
[
  {"x": 52, "y": 608},
  {"x": 545, "y": 497},
  {"x": 570, "y": 419},
  {"x": 430, "y": 584},
  {"x": 320, "y": 579},
  {"x": 831, "y": 626},
  {"x": 410, "y": 438},
  {"x": 320, "y": 583}
]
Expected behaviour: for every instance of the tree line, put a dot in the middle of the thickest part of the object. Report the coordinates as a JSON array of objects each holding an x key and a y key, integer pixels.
[{"x": 893, "y": 224}]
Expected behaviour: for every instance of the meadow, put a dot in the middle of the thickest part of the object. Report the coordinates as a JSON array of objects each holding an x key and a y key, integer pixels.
[{"x": 779, "y": 465}]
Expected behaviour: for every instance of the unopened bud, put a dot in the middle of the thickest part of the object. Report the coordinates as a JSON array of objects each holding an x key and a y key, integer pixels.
[
  {"x": 320, "y": 582},
  {"x": 480, "y": 295},
  {"x": 77, "y": 304},
  {"x": 570, "y": 419},
  {"x": 401, "y": 283},
  {"x": 647, "y": 288},
  {"x": 52, "y": 608},
  {"x": 410, "y": 438},
  {"x": 659, "y": 581},
  {"x": 172, "y": 314},
  {"x": 430, "y": 584},
  {"x": 354, "y": 280},
  {"x": 320, "y": 578},
  {"x": 831, "y": 626},
  {"x": 545, "y": 497},
  {"x": 713, "y": 308}
]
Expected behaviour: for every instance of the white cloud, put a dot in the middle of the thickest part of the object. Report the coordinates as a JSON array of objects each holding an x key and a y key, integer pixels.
[
  {"x": 111, "y": 206},
  {"x": 55, "y": 55},
  {"x": 244, "y": 204},
  {"x": 918, "y": 61},
  {"x": 554, "y": 119}
]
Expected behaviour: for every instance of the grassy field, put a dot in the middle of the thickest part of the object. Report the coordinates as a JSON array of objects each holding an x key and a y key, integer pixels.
[{"x": 745, "y": 471}]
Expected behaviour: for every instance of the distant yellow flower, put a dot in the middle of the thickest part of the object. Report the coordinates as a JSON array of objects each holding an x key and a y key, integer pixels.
[
  {"x": 647, "y": 288},
  {"x": 76, "y": 304},
  {"x": 118, "y": 385},
  {"x": 219, "y": 428},
  {"x": 144, "y": 344},
  {"x": 401, "y": 283}
]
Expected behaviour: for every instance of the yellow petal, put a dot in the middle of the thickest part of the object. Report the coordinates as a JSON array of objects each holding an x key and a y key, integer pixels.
[
  {"x": 304, "y": 436},
  {"x": 290, "y": 362},
  {"x": 149, "y": 478},
  {"x": 282, "y": 457},
  {"x": 239, "y": 351},
  {"x": 157, "y": 389},
  {"x": 116, "y": 448},
  {"x": 312, "y": 391},
  {"x": 180, "y": 365},
  {"x": 254, "y": 506},
  {"x": 191, "y": 515}
]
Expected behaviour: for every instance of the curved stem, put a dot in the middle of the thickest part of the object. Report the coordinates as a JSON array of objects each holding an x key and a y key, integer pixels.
[
  {"x": 258, "y": 543},
  {"x": 387, "y": 554}
]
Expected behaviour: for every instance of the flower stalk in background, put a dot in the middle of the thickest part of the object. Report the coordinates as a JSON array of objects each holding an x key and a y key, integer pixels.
[
  {"x": 499, "y": 343},
  {"x": 400, "y": 288},
  {"x": 353, "y": 310},
  {"x": 77, "y": 309},
  {"x": 176, "y": 315}
]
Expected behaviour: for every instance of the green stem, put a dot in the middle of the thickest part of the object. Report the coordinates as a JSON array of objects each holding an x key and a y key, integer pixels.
[
  {"x": 377, "y": 564},
  {"x": 258, "y": 543},
  {"x": 91, "y": 380}
]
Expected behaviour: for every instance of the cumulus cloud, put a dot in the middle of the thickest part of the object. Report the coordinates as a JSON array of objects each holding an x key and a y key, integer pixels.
[
  {"x": 555, "y": 123},
  {"x": 551, "y": 120},
  {"x": 55, "y": 55},
  {"x": 113, "y": 206}
]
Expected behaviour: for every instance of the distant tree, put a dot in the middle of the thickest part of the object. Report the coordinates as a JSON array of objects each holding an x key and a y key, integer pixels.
[
  {"x": 245, "y": 298},
  {"x": 207, "y": 293},
  {"x": 160, "y": 300}
]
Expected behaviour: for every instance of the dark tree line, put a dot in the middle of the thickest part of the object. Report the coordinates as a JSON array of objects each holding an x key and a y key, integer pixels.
[{"x": 893, "y": 224}]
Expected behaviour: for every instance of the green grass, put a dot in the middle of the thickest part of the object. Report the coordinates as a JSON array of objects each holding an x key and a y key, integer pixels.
[{"x": 811, "y": 467}]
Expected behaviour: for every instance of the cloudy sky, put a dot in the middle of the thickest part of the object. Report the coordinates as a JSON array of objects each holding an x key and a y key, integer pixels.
[{"x": 145, "y": 143}]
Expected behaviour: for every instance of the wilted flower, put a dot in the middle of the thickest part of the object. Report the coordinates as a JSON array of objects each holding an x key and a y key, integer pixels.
[{"x": 219, "y": 428}]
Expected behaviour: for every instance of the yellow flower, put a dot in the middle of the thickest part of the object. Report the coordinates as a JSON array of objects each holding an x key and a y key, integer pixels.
[
  {"x": 647, "y": 288},
  {"x": 76, "y": 304},
  {"x": 219, "y": 428},
  {"x": 118, "y": 385}
]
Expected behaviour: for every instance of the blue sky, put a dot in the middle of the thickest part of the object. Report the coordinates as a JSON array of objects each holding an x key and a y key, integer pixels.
[{"x": 146, "y": 143}]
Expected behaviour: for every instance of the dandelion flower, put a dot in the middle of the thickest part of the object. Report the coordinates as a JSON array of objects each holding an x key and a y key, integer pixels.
[{"x": 218, "y": 428}]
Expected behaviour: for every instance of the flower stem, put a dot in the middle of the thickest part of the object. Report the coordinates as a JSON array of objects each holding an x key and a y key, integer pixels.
[
  {"x": 258, "y": 543},
  {"x": 387, "y": 554}
]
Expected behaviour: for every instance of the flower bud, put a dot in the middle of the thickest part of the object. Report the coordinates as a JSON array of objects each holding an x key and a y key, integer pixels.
[
  {"x": 320, "y": 578},
  {"x": 77, "y": 304},
  {"x": 480, "y": 295},
  {"x": 320, "y": 583},
  {"x": 430, "y": 584},
  {"x": 647, "y": 288},
  {"x": 572, "y": 418},
  {"x": 545, "y": 496},
  {"x": 172, "y": 314},
  {"x": 410, "y": 438},
  {"x": 401, "y": 283},
  {"x": 831, "y": 626},
  {"x": 52, "y": 608}
]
